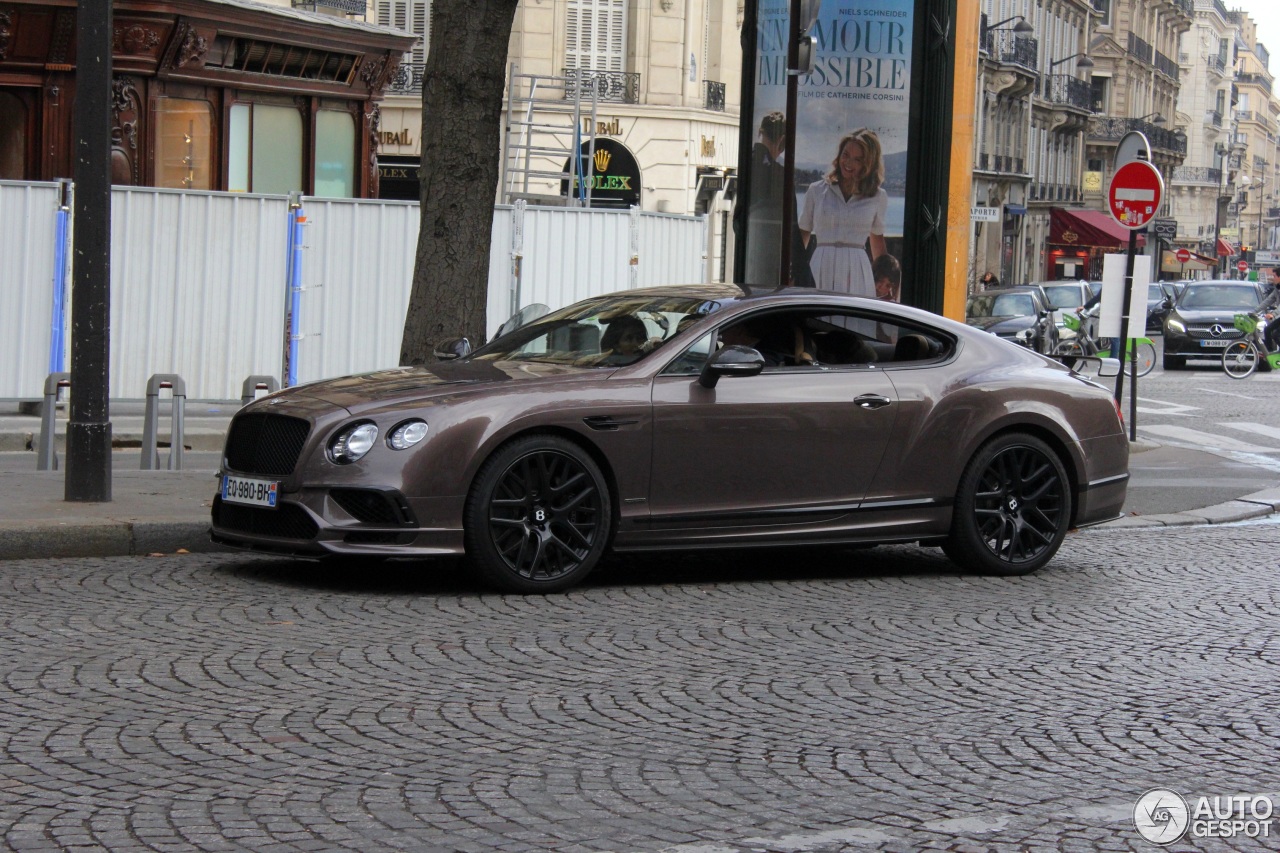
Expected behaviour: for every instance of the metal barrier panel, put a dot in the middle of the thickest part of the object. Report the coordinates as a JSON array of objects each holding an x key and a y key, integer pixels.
[
  {"x": 357, "y": 271},
  {"x": 672, "y": 249},
  {"x": 197, "y": 288},
  {"x": 28, "y": 220},
  {"x": 573, "y": 253}
]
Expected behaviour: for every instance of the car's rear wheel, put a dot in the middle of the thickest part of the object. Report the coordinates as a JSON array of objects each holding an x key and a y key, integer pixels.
[
  {"x": 538, "y": 517},
  {"x": 1012, "y": 508},
  {"x": 1240, "y": 359}
]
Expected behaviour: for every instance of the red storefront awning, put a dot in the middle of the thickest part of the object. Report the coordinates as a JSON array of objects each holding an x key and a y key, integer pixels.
[
  {"x": 1093, "y": 228},
  {"x": 1225, "y": 248}
]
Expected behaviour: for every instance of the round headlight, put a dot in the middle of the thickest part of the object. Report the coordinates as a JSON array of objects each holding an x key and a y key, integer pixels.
[
  {"x": 353, "y": 443},
  {"x": 407, "y": 435}
]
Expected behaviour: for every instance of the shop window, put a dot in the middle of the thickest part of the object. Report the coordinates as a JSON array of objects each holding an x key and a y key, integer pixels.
[
  {"x": 13, "y": 138},
  {"x": 264, "y": 149},
  {"x": 335, "y": 154},
  {"x": 184, "y": 144}
]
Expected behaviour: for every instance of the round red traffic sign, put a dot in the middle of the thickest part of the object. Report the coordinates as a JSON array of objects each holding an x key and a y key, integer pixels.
[
  {"x": 1134, "y": 194},
  {"x": 1182, "y": 255},
  {"x": 1243, "y": 266}
]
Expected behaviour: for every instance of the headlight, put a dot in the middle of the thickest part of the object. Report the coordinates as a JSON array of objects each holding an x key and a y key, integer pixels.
[
  {"x": 407, "y": 435},
  {"x": 1176, "y": 325},
  {"x": 353, "y": 443}
]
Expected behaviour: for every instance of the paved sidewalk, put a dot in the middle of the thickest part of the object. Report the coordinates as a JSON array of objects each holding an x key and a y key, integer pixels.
[{"x": 164, "y": 511}]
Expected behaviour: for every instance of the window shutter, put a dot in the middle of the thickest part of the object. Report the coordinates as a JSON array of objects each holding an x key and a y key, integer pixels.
[{"x": 595, "y": 35}]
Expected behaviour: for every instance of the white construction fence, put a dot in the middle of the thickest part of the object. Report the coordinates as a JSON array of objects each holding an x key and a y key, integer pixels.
[{"x": 202, "y": 282}]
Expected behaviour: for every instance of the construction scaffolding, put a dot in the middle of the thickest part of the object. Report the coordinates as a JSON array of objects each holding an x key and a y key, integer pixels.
[{"x": 543, "y": 150}]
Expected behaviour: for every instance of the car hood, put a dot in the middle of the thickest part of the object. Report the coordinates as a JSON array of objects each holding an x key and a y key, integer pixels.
[
  {"x": 406, "y": 384},
  {"x": 1209, "y": 316},
  {"x": 1001, "y": 325}
]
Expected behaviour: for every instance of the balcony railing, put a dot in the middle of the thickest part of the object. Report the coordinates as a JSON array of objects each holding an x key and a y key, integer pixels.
[
  {"x": 408, "y": 78},
  {"x": 1273, "y": 213},
  {"x": 1166, "y": 66},
  {"x": 1198, "y": 175},
  {"x": 1215, "y": 118},
  {"x": 1114, "y": 129},
  {"x": 1003, "y": 163},
  {"x": 1186, "y": 6},
  {"x": 1068, "y": 91},
  {"x": 1010, "y": 48},
  {"x": 1259, "y": 162},
  {"x": 715, "y": 96},
  {"x": 1254, "y": 79},
  {"x": 1140, "y": 49},
  {"x": 346, "y": 7},
  {"x": 1217, "y": 65},
  {"x": 621, "y": 87},
  {"x": 1244, "y": 115},
  {"x": 1055, "y": 192}
]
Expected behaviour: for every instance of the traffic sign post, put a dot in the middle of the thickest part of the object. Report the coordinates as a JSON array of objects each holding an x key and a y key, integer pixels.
[
  {"x": 1243, "y": 266},
  {"x": 1133, "y": 197},
  {"x": 1183, "y": 256}
]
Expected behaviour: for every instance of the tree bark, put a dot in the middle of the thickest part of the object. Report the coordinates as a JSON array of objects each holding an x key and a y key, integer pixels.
[{"x": 461, "y": 142}]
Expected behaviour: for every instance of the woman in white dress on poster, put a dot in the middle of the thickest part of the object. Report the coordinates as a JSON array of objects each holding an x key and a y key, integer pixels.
[{"x": 843, "y": 211}]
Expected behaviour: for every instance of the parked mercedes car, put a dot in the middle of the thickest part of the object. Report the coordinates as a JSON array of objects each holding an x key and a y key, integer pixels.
[
  {"x": 677, "y": 418},
  {"x": 1020, "y": 314},
  {"x": 1201, "y": 323}
]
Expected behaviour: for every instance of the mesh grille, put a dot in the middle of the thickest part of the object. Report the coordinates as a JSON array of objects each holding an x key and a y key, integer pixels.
[
  {"x": 287, "y": 521},
  {"x": 1228, "y": 332},
  {"x": 266, "y": 444},
  {"x": 367, "y": 505}
]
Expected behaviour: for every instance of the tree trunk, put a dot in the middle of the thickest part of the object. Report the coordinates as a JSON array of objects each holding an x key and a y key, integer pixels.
[{"x": 461, "y": 137}]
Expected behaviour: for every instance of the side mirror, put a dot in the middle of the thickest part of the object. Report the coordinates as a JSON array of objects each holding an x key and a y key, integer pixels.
[
  {"x": 452, "y": 348},
  {"x": 1109, "y": 367},
  {"x": 731, "y": 361}
]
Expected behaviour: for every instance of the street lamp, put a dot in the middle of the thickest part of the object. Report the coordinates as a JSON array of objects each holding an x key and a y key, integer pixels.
[
  {"x": 1022, "y": 28},
  {"x": 1159, "y": 119},
  {"x": 1083, "y": 63}
]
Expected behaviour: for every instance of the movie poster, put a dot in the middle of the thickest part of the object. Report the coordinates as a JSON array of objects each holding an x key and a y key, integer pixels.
[{"x": 852, "y": 128}]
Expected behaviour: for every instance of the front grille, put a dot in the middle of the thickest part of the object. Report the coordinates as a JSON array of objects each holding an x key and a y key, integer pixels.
[
  {"x": 1226, "y": 332},
  {"x": 261, "y": 443},
  {"x": 367, "y": 505},
  {"x": 287, "y": 521}
]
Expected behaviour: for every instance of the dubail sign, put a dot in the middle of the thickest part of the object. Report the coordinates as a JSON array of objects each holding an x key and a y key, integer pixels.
[{"x": 1162, "y": 816}]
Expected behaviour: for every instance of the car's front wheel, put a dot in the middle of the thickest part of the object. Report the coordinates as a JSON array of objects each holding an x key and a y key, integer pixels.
[
  {"x": 1012, "y": 508},
  {"x": 538, "y": 517}
]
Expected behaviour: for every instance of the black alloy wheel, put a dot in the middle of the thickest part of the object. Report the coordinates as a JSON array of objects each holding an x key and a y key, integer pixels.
[
  {"x": 1012, "y": 508},
  {"x": 538, "y": 517}
]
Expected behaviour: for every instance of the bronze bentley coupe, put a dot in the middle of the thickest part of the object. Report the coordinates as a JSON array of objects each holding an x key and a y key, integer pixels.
[{"x": 680, "y": 418}]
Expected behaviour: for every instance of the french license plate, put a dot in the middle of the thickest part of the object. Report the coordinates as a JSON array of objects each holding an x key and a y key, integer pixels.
[
  {"x": 1214, "y": 343},
  {"x": 250, "y": 491}
]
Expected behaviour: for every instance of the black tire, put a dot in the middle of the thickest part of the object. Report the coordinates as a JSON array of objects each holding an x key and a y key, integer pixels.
[
  {"x": 539, "y": 516},
  {"x": 1173, "y": 362},
  {"x": 1012, "y": 508},
  {"x": 1240, "y": 359},
  {"x": 1146, "y": 359}
]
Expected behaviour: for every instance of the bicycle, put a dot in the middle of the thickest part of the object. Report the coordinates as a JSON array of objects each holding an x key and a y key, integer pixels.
[
  {"x": 1240, "y": 359},
  {"x": 1084, "y": 344}
]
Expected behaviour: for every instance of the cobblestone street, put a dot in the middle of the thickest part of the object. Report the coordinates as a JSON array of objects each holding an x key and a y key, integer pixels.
[{"x": 778, "y": 701}]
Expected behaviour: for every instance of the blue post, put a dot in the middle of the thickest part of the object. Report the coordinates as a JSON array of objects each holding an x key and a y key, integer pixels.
[
  {"x": 58, "y": 324},
  {"x": 296, "y": 220}
]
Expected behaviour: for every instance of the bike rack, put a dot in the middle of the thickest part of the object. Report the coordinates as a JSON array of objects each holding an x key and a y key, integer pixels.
[
  {"x": 47, "y": 457},
  {"x": 248, "y": 391},
  {"x": 150, "y": 426}
]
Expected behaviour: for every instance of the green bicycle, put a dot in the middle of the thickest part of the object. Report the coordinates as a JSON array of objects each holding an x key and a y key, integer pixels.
[
  {"x": 1241, "y": 358},
  {"x": 1083, "y": 344}
]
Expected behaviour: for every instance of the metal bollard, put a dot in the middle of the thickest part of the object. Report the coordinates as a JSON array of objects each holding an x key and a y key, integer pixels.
[
  {"x": 248, "y": 391},
  {"x": 47, "y": 457},
  {"x": 151, "y": 419}
]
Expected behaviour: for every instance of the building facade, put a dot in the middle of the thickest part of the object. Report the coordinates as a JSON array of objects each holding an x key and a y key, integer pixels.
[{"x": 206, "y": 94}]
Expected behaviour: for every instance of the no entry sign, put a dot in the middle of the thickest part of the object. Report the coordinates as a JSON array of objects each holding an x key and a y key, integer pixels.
[
  {"x": 1134, "y": 194},
  {"x": 1183, "y": 256},
  {"x": 1243, "y": 266}
]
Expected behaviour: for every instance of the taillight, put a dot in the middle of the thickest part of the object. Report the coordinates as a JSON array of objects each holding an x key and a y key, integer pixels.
[{"x": 1119, "y": 411}]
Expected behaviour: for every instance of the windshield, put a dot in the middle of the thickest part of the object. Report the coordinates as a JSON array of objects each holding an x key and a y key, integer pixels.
[
  {"x": 1001, "y": 305},
  {"x": 1064, "y": 296},
  {"x": 1218, "y": 296},
  {"x": 611, "y": 331}
]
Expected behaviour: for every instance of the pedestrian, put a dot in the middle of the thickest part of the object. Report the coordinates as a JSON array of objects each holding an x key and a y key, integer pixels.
[
  {"x": 989, "y": 280},
  {"x": 1270, "y": 308}
]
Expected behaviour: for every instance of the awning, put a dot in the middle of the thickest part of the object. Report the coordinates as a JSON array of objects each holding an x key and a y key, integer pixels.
[
  {"x": 1225, "y": 248},
  {"x": 1169, "y": 262},
  {"x": 1093, "y": 228},
  {"x": 1015, "y": 210}
]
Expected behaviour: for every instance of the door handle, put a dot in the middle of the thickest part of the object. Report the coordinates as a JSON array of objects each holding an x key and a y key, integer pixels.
[{"x": 872, "y": 401}]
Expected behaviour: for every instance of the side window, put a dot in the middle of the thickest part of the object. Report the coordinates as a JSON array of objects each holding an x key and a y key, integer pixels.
[
  {"x": 852, "y": 339},
  {"x": 691, "y": 361}
]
